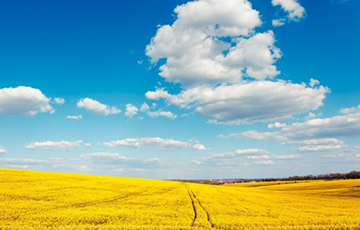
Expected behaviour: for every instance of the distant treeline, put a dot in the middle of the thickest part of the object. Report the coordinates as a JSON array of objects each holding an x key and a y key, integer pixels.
[{"x": 329, "y": 176}]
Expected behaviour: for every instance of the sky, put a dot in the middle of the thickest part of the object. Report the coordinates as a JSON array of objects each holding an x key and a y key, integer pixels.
[{"x": 180, "y": 89}]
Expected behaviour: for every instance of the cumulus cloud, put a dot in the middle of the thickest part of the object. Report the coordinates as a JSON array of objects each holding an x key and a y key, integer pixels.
[
  {"x": 248, "y": 102},
  {"x": 96, "y": 107},
  {"x": 350, "y": 110},
  {"x": 164, "y": 144},
  {"x": 254, "y": 56},
  {"x": 347, "y": 125},
  {"x": 226, "y": 70},
  {"x": 159, "y": 93},
  {"x": 144, "y": 107},
  {"x": 53, "y": 145},
  {"x": 59, "y": 100},
  {"x": 2, "y": 150},
  {"x": 84, "y": 168},
  {"x": 199, "y": 146},
  {"x": 77, "y": 117},
  {"x": 314, "y": 82},
  {"x": 155, "y": 142},
  {"x": 131, "y": 110},
  {"x": 128, "y": 142},
  {"x": 276, "y": 125},
  {"x": 278, "y": 22},
  {"x": 195, "y": 52},
  {"x": 160, "y": 113},
  {"x": 293, "y": 9},
  {"x": 23, "y": 101},
  {"x": 314, "y": 135}
]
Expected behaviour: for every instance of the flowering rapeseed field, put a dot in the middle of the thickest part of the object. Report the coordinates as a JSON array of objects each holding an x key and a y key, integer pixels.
[{"x": 38, "y": 200}]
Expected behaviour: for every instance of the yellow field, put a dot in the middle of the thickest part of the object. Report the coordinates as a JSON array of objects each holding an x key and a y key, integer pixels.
[{"x": 36, "y": 200}]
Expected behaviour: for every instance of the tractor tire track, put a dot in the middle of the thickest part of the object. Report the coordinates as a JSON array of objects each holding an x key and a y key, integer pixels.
[
  {"x": 108, "y": 200},
  {"x": 193, "y": 205},
  {"x": 207, "y": 213}
]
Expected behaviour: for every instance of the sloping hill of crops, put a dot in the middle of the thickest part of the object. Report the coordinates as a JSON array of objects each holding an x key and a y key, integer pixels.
[{"x": 36, "y": 200}]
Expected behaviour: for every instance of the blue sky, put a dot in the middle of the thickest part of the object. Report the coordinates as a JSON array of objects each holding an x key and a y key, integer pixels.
[{"x": 226, "y": 84}]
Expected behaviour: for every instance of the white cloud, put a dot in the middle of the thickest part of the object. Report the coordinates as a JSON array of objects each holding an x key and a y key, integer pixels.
[
  {"x": 310, "y": 116},
  {"x": 199, "y": 146},
  {"x": 84, "y": 168},
  {"x": 347, "y": 125},
  {"x": 164, "y": 144},
  {"x": 358, "y": 155},
  {"x": 257, "y": 157},
  {"x": 96, "y": 107},
  {"x": 314, "y": 82},
  {"x": 118, "y": 158},
  {"x": 131, "y": 110},
  {"x": 268, "y": 162},
  {"x": 250, "y": 151},
  {"x": 240, "y": 152},
  {"x": 18, "y": 166},
  {"x": 276, "y": 125},
  {"x": 322, "y": 141},
  {"x": 128, "y": 142},
  {"x": 144, "y": 107},
  {"x": 319, "y": 148},
  {"x": 159, "y": 93},
  {"x": 253, "y": 56},
  {"x": 254, "y": 135},
  {"x": 2, "y": 150},
  {"x": 52, "y": 145},
  {"x": 23, "y": 101},
  {"x": 87, "y": 144},
  {"x": 197, "y": 162},
  {"x": 160, "y": 113},
  {"x": 114, "y": 156},
  {"x": 335, "y": 156},
  {"x": 78, "y": 117},
  {"x": 225, "y": 68},
  {"x": 278, "y": 22},
  {"x": 59, "y": 100},
  {"x": 350, "y": 110},
  {"x": 22, "y": 160},
  {"x": 248, "y": 102},
  {"x": 294, "y": 10},
  {"x": 287, "y": 157},
  {"x": 314, "y": 135},
  {"x": 155, "y": 142},
  {"x": 195, "y": 51}
]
